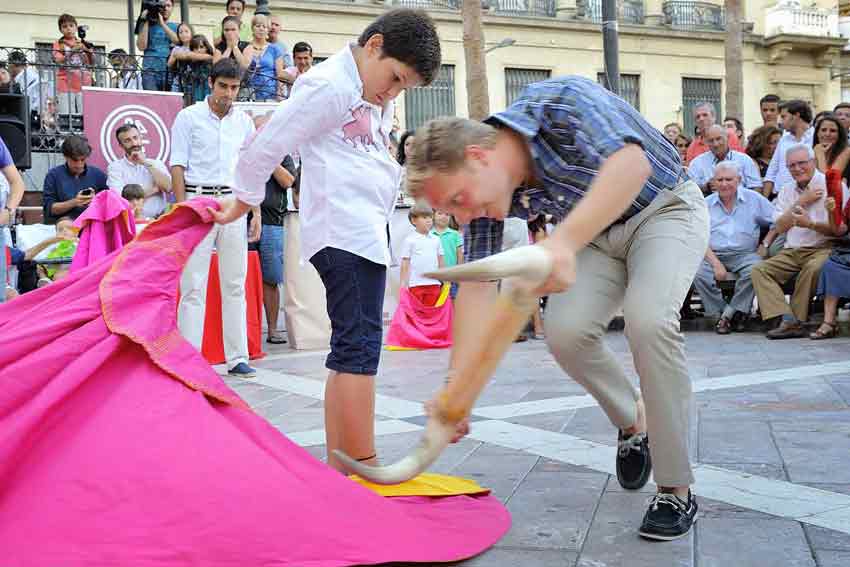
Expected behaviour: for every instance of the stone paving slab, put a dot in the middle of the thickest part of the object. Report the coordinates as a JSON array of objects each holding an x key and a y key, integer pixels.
[{"x": 748, "y": 542}]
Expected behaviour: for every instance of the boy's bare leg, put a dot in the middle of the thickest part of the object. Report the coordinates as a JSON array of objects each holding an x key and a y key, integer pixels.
[{"x": 350, "y": 417}]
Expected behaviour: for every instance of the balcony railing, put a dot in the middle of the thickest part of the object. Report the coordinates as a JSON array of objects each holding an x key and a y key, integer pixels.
[
  {"x": 791, "y": 18},
  {"x": 684, "y": 15},
  {"x": 537, "y": 8},
  {"x": 429, "y": 4},
  {"x": 629, "y": 11}
]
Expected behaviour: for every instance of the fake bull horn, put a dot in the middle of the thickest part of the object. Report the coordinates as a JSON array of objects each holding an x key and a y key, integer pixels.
[{"x": 475, "y": 365}]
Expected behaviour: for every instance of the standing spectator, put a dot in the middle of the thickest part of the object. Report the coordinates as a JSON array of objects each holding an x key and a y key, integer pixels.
[
  {"x": 72, "y": 56},
  {"x": 761, "y": 145},
  {"x": 831, "y": 147},
  {"x": 275, "y": 28},
  {"x": 196, "y": 74},
  {"x": 737, "y": 216},
  {"x": 682, "y": 144},
  {"x": 422, "y": 252},
  {"x": 705, "y": 116},
  {"x": 125, "y": 73},
  {"x": 672, "y": 131},
  {"x": 69, "y": 188},
  {"x": 736, "y": 126},
  {"x": 796, "y": 120},
  {"x": 769, "y": 107},
  {"x": 272, "y": 211},
  {"x": 235, "y": 9},
  {"x": 27, "y": 79},
  {"x": 231, "y": 47},
  {"x": 265, "y": 62},
  {"x": 137, "y": 169},
  {"x": 206, "y": 138},
  {"x": 155, "y": 39},
  {"x": 303, "y": 55},
  {"x": 9, "y": 200},
  {"x": 184, "y": 35},
  {"x": 452, "y": 242},
  {"x": 701, "y": 168},
  {"x": 842, "y": 112},
  {"x": 801, "y": 214}
]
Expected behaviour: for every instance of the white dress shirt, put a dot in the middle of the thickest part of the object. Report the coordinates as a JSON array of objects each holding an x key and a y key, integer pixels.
[
  {"x": 701, "y": 169},
  {"x": 31, "y": 86},
  {"x": 348, "y": 178},
  {"x": 208, "y": 146},
  {"x": 122, "y": 172},
  {"x": 423, "y": 251},
  {"x": 797, "y": 236},
  {"x": 777, "y": 171}
]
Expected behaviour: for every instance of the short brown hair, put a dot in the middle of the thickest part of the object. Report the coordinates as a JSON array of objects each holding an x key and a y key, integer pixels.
[
  {"x": 440, "y": 147},
  {"x": 65, "y": 18},
  {"x": 420, "y": 209},
  {"x": 133, "y": 191}
]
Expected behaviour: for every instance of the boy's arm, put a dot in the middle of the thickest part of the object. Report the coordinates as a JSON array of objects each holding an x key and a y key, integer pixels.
[
  {"x": 37, "y": 249},
  {"x": 405, "y": 272}
]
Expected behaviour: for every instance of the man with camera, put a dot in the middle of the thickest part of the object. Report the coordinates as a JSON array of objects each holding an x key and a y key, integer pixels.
[
  {"x": 155, "y": 36},
  {"x": 136, "y": 168},
  {"x": 69, "y": 188}
]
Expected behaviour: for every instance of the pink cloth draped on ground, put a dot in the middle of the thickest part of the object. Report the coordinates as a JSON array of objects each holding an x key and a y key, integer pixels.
[
  {"x": 417, "y": 326},
  {"x": 121, "y": 446},
  {"x": 106, "y": 225}
]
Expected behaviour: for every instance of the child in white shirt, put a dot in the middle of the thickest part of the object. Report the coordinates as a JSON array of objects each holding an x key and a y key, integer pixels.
[{"x": 422, "y": 252}]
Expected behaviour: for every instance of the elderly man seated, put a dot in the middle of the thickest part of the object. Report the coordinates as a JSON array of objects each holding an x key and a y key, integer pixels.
[
  {"x": 800, "y": 213},
  {"x": 737, "y": 214},
  {"x": 701, "y": 168}
]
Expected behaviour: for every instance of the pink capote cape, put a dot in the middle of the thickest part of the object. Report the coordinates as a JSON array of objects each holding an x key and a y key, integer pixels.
[
  {"x": 106, "y": 225},
  {"x": 121, "y": 446},
  {"x": 418, "y": 326}
]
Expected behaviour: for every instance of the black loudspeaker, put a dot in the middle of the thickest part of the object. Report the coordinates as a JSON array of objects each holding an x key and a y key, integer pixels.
[{"x": 15, "y": 128}]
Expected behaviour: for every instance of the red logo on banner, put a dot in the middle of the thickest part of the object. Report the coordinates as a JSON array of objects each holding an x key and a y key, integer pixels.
[{"x": 106, "y": 110}]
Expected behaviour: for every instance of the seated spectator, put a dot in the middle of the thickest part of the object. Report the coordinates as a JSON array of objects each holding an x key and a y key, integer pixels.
[
  {"x": 135, "y": 195},
  {"x": 834, "y": 281},
  {"x": 275, "y": 28},
  {"x": 801, "y": 214},
  {"x": 231, "y": 46},
  {"x": 125, "y": 74},
  {"x": 27, "y": 79},
  {"x": 705, "y": 116},
  {"x": 831, "y": 148},
  {"x": 193, "y": 68},
  {"x": 64, "y": 245},
  {"x": 265, "y": 59},
  {"x": 69, "y": 188},
  {"x": 303, "y": 55},
  {"x": 48, "y": 117},
  {"x": 701, "y": 168},
  {"x": 737, "y": 215},
  {"x": 682, "y": 144},
  {"x": 235, "y": 9},
  {"x": 761, "y": 145},
  {"x": 73, "y": 57},
  {"x": 769, "y": 108},
  {"x": 672, "y": 131},
  {"x": 136, "y": 168},
  {"x": 155, "y": 39},
  {"x": 735, "y": 125}
]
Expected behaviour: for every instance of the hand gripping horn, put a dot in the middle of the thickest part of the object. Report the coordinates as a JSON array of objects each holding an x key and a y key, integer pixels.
[{"x": 528, "y": 266}]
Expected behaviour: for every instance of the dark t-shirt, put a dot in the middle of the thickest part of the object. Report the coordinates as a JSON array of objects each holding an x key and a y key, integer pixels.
[
  {"x": 221, "y": 46},
  {"x": 273, "y": 208}
]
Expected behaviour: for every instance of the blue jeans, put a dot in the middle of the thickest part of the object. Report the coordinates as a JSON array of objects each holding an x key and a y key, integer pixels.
[{"x": 154, "y": 80}]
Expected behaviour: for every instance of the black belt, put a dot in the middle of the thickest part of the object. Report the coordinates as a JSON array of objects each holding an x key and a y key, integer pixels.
[{"x": 215, "y": 190}]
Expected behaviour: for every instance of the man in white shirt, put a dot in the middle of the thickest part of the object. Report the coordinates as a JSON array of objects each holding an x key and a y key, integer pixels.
[
  {"x": 800, "y": 214},
  {"x": 205, "y": 139},
  {"x": 701, "y": 169},
  {"x": 136, "y": 168},
  {"x": 339, "y": 118},
  {"x": 27, "y": 78},
  {"x": 796, "y": 121}
]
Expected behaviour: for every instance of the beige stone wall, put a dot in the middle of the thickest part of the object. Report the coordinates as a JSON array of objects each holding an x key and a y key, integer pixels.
[{"x": 659, "y": 55}]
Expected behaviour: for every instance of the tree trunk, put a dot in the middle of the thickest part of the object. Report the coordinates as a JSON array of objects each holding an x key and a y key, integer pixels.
[
  {"x": 734, "y": 61},
  {"x": 478, "y": 98}
]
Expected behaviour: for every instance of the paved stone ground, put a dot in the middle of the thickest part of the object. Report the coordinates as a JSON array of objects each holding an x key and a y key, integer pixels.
[{"x": 771, "y": 431}]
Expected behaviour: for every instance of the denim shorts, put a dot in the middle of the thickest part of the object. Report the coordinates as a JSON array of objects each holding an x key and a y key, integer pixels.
[
  {"x": 271, "y": 253},
  {"x": 354, "y": 287}
]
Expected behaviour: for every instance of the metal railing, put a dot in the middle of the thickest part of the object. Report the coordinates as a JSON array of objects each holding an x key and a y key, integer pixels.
[
  {"x": 791, "y": 18},
  {"x": 685, "y": 15},
  {"x": 536, "y": 8},
  {"x": 428, "y": 4},
  {"x": 55, "y": 90},
  {"x": 629, "y": 11}
]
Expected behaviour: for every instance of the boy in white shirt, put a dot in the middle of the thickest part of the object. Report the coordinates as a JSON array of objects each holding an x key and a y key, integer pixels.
[
  {"x": 339, "y": 118},
  {"x": 421, "y": 252}
]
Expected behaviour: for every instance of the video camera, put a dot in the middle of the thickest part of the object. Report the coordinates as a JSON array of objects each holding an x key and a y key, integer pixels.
[
  {"x": 82, "y": 31},
  {"x": 154, "y": 9}
]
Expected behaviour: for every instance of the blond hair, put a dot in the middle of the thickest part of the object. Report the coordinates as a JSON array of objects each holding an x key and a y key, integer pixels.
[
  {"x": 259, "y": 18},
  {"x": 440, "y": 147}
]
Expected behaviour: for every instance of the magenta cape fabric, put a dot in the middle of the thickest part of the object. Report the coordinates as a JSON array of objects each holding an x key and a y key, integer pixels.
[
  {"x": 107, "y": 225},
  {"x": 415, "y": 325},
  {"x": 121, "y": 446}
]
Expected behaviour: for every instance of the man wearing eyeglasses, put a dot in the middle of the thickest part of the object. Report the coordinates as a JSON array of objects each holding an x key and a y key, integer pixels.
[{"x": 800, "y": 214}]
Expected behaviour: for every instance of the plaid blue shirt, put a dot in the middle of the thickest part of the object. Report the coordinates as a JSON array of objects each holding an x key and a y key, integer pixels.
[{"x": 572, "y": 125}]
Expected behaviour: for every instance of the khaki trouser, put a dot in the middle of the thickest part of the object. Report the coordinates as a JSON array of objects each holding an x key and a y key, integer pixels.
[
  {"x": 770, "y": 275},
  {"x": 646, "y": 265}
]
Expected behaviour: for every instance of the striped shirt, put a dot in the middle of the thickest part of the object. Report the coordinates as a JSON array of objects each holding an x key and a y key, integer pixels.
[{"x": 572, "y": 125}]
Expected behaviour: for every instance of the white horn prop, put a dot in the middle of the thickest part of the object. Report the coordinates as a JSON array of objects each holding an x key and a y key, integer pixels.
[
  {"x": 473, "y": 367},
  {"x": 530, "y": 263}
]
